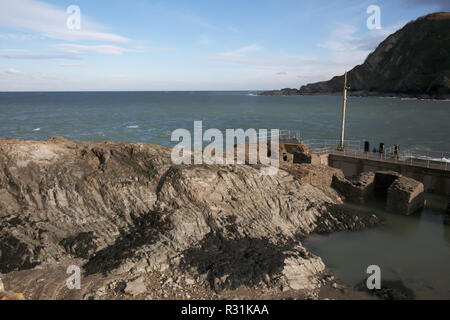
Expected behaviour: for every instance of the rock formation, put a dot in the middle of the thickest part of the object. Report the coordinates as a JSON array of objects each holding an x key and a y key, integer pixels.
[
  {"x": 124, "y": 208},
  {"x": 414, "y": 61}
]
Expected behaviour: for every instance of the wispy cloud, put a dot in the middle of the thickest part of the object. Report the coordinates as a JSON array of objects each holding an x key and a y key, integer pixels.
[
  {"x": 50, "y": 21},
  {"x": 15, "y": 72},
  {"x": 344, "y": 45},
  {"x": 16, "y": 36},
  {"x": 104, "y": 49},
  {"x": 26, "y": 55},
  {"x": 241, "y": 52}
]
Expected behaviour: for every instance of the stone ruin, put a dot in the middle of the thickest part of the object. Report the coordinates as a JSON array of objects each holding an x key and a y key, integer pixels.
[
  {"x": 357, "y": 189},
  {"x": 401, "y": 194},
  {"x": 405, "y": 196}
]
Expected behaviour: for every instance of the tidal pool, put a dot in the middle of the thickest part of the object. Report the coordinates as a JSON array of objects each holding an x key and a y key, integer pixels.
[{"x": 414, "y": 249}]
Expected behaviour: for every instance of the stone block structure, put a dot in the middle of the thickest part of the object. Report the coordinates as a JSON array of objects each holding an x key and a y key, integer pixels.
[
  {"x": 358, "y": 189},
  {"x": 405, "y": 196}
]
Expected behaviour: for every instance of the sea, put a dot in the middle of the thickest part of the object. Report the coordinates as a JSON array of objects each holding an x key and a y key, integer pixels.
[
  {"x": 413, "y": 249},
  {"x": 151, "y": 117}
]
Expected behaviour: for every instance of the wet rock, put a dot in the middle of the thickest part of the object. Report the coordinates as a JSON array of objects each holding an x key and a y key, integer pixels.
[
  {"x": 405, "y": 196},
  {"x": 390, "y": 290}
]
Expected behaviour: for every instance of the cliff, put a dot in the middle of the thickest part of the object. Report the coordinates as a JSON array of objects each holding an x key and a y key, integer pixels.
[
  {"x": 414, "y": 61},
  {"x": 121, "y": 210}
]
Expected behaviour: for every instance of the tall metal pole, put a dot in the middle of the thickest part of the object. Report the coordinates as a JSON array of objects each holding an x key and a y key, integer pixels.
[{"x": 343, "y": 111}]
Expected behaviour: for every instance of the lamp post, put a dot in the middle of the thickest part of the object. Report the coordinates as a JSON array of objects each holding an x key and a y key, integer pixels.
[{"x": 344, "y": 104}]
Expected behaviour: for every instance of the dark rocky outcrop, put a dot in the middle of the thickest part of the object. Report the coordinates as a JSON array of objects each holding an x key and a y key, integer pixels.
[
  {"x": 125, "y": 209},
  {"x": 414, "y": 61},
  {"x": 390, "y": 290},
  {"x": 282, "y": 92}
]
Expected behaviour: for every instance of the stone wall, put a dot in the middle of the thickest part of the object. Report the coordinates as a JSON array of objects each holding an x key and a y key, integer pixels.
[{"x": 405, "y": 196}]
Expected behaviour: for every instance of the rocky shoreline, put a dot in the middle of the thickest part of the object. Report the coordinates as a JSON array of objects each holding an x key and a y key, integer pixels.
[
  {"x": 142, "y": 228},
  {"x": 296, "y": 92}
]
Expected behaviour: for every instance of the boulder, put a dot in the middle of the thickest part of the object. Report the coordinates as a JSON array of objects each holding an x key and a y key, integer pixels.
[
  {"x": 405, "y": 196},
  {"x": 357, "y": 189},
  {"x": 136, "y": 287}
]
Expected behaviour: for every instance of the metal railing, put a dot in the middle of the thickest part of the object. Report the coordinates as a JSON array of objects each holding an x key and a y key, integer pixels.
[
  {"x": 285, "y": 135},
  {"x": 328, "y": 145},
  {"x": 352, "y": 148}
]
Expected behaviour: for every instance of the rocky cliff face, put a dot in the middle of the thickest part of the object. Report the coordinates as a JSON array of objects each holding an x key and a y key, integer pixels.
[
  {"x": 125, "y": 209},
  {"x": 414, "y": 61}
]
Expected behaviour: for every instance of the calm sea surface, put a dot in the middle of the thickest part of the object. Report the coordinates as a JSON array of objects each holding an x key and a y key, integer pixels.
[
  {"x": 413, "y": 249},
  {"x": 150, "y": 117}
]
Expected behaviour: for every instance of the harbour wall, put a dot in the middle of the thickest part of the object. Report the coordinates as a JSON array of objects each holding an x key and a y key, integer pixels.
[{"x": 434, "y": 180}]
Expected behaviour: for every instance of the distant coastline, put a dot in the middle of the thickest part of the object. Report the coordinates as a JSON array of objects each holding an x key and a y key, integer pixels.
[
  {"x": 413, "y": 62},
  {"x": 361, "y": 93}
]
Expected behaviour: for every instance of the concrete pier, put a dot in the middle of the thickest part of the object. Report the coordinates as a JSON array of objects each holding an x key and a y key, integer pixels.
[{"x": 435, "y": 180}]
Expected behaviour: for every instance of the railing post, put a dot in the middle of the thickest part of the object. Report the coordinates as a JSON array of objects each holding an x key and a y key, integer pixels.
[{"x": 428, "y": 159}]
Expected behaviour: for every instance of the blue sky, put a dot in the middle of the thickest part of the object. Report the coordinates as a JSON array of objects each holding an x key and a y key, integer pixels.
[{"x": 190, "y": 45}]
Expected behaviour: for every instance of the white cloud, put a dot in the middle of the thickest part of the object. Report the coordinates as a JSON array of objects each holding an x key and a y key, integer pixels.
[
  {"x": 13, "y": 71},
  {"x": 24, "y": 55},
  {"x": 15, "y": 36},
  {"x": 347, "y": 48},
  {"x": 50, "y": 21},
  {"x": 105, "y": 49}
]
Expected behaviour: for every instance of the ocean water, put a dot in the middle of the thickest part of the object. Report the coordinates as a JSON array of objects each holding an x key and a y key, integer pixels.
[
  {"x": 413, "y": 249},
  {"x": 150, "y": 117}
]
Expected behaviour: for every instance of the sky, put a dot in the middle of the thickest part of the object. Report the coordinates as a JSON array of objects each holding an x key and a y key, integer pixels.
[{"x": 138, "y": 45}]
